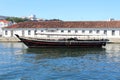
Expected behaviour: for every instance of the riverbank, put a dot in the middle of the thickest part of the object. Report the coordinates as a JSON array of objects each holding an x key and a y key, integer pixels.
[{"x": 9, "y": 39}]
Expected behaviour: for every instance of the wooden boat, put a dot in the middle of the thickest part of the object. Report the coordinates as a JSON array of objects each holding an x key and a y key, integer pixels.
[{"x": 69, "y": 42}]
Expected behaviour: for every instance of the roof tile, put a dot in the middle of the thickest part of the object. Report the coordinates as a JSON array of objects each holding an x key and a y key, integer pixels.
[{"x": 67, "y": 24}]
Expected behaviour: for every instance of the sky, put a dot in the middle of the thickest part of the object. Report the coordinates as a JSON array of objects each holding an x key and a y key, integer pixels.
[{"x": 67, "y": 10}]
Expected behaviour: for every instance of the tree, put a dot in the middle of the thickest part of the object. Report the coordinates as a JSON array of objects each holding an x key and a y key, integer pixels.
[{"x": 16, "y": 19}]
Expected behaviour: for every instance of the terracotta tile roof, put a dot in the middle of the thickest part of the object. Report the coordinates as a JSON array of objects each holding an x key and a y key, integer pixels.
[
  {"x": 68, "y": 24},
  {"x": 4, "y": 21}
]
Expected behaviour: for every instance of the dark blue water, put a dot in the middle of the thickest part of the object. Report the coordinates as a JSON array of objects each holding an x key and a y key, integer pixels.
[{"x": 19, "y": 63}]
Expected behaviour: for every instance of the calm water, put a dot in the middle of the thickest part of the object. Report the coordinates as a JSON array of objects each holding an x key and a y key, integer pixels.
[{"x": 19, "y": 63}]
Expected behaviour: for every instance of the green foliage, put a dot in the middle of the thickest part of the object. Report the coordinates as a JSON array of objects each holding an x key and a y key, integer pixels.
[
  {"x": 16, "y": 19},
  {"x": 54, "y": 20}
]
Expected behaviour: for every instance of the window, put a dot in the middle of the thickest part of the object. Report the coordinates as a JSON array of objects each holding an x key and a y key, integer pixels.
[
  {"x": 62, "y": 30},
  {"x": 105, "y": 32},
  {"x": 113, "y": 32},
  {"x": 90, "y": 31},
  {"x": 35, "y": 32},
  {"x": 98, "y": 31},
  {"x": 83, "y": 31},
  {"x": 6, "y": 32},
  {"x": 42, "y": 31},
  {"x": 76, "y": 31},
  {"x": 29, "y": 32},
  {"x": 51, "y": 30},
  {"x": 23, "y": 33},
  {"x": 69, "y": 31}
]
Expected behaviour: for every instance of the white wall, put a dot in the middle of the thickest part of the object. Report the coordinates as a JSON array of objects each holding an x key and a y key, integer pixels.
[
  {"x": 21, "y": 31},
  {"x": 0, "y": 31},
  {"x": 2, "y": 24}
]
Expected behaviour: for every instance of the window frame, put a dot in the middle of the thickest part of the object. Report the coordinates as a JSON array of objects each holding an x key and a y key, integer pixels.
[
  {"x": 76, "y": 31},
  {"x": 113, "y": 32},
  {"x": 90, "y": 31},
  {"x": 62, "y": 31},
  {"x": 42, "y": 30},
  {"x": 29, "y": 32},
  {"x": 6, "y": 32},
  {"x": 97, "y": 31},
  {"x": 83, "y": 31},
  {"x": 105, "y": 32},
  {"x": 69, "y": 31},
  {"x": 35, "y": 32}
]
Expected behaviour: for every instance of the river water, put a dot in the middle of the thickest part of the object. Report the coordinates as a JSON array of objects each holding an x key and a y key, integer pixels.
[{"x": 17, "y": 62}]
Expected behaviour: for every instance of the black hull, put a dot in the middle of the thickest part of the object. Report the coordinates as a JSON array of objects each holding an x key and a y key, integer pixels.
[{"x": 83, "y": 43}]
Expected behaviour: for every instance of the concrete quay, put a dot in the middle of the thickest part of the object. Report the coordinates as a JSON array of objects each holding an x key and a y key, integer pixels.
[{"x": 9, "y": 39}]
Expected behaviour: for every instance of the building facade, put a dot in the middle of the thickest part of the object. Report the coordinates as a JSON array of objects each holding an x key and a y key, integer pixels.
[
  {"x": 80, "y": 29},
  {"x": 4, "y": 23}
]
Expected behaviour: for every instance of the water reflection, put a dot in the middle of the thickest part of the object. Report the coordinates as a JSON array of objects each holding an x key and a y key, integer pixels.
[
  {"x": 12, "y": 45},
  {"x": 113, "y": 52},
  {"x": 110, "y": 51},
  {"x": 20, "y": 63},
  {"x": 113, "y": 47},
  {"x": 63, "y": 52}
]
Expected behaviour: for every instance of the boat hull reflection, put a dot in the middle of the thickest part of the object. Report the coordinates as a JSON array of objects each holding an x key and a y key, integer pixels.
[{"x": 63, "y": 52}]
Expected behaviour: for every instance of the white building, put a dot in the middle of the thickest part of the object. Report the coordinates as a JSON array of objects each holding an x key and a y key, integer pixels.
[
  {"x": 4, "y": 23},
  {"x": 32, "y": 17},
  {"x": 108, "y": 29}
]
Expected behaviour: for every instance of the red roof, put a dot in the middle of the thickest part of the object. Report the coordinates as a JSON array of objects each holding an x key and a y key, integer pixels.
[
  {"x": 67, "y": 24},
  {"x": 4, "y": 21}
]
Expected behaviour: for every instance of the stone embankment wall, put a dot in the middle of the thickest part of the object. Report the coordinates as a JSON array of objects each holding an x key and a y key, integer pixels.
[{"x": 9, "y": 39}]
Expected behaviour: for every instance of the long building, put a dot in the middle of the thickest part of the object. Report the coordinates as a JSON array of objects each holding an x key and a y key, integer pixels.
[{"x": 108, "y": 29}]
